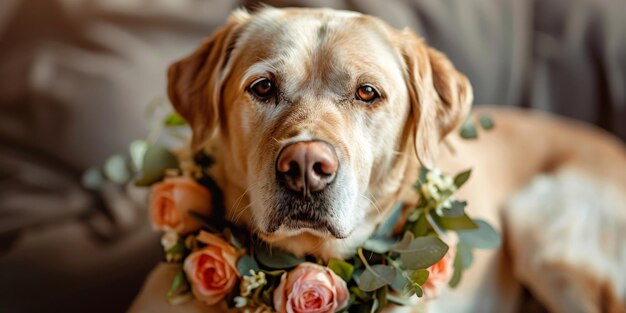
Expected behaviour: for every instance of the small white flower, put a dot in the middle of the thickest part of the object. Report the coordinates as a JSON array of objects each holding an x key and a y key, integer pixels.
[
  {"x": 169, "y": 240},
  {"x": 252, "y": 282},
  {"x": 240, "y": 302}
]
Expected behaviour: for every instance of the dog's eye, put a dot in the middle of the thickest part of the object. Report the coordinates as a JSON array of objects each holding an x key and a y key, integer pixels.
[
  {"x": 366, "y": 93},
  {"x": 262, "y": 88}
]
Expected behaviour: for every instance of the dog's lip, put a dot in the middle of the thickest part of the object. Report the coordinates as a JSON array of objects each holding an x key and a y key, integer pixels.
[{"x": 296, "y": 227}]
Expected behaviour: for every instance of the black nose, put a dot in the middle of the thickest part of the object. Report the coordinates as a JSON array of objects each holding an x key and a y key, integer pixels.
[{"x": 307, "y": 166}]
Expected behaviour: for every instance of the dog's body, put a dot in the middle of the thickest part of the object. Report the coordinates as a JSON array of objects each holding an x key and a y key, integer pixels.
[{"x": 315, "y": 60}]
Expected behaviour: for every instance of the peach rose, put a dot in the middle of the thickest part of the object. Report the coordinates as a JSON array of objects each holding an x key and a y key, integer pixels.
[
  {"x": 310, "y": 288},
  {"x": 172, "y": 199},
  {"x": 440, "y": 274},
  {"x": 212, "y": 270}
]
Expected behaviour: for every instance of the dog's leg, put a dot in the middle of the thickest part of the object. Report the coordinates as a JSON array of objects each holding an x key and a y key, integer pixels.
[{"x": 567, "y": 236}]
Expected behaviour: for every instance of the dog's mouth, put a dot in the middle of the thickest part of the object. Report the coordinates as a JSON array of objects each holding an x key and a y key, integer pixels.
[
  {"x": 291, "y": 228},
  {"x": 295, "y": 214}
]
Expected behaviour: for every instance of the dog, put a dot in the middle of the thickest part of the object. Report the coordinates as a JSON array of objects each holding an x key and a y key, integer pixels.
[{"x": 320, "y": 119}]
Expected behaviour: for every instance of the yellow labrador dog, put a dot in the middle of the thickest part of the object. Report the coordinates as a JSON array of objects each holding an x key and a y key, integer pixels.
[{"x": 343, "y": 109}]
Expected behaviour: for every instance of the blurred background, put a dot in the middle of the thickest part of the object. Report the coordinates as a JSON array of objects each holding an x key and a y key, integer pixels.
[{"x": 76, "y": 76}]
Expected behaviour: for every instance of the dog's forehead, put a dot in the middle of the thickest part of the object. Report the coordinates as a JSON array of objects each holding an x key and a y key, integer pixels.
[{"x": 309, "y": 42}]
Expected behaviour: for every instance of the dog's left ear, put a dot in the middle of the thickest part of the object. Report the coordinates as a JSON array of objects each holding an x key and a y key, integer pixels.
[
  {"x": 440, "y": 96},
  {"x": 195, "y": 82}
]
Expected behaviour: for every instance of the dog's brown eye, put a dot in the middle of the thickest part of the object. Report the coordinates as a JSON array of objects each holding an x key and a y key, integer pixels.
[
  {"x": 263, "y": 88},
  {"x": 367, "y": 93}
]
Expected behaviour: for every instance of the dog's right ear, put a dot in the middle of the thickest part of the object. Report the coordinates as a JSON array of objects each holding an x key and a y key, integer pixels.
[{"x": 195, "y": 82}]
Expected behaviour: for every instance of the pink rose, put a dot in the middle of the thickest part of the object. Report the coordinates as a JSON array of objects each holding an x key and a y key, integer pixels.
[
  {"x": 172, "y": 199},
  {"x": 310, "y": 288},
  {"x": 440, "y": 274},
  {"x": 212, "y": 270}
]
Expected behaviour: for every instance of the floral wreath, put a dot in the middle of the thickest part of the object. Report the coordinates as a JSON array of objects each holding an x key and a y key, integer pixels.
[{"x": 408, "y": 255}]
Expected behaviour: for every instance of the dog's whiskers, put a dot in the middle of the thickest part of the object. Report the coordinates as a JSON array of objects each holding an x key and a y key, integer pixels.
[
  {"x": 238, "y": 202},
  {"x": 376, "y": 206},
  {"x": 240, "y": 213}
]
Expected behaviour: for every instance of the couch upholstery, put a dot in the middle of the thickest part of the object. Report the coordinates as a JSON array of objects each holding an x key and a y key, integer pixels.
[{"x": 76, "y": 75}]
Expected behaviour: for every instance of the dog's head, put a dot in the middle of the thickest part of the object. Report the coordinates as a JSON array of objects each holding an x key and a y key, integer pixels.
[{"x": 313, "y": 109}]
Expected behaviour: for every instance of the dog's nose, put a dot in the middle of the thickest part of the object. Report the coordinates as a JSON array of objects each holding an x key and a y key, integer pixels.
[{"x": 307, "y": 166}]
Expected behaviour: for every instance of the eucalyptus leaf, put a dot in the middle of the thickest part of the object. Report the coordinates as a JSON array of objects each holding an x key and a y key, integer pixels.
[
  {"x": 379, "y": 245},
  {"x": 458, "y": 270},
  {"x": 247, "y": 263},
  {"x": 398, "y": 282},
  {"x": 422, "y": 174},
  {"x": 376, "y": 276},
  {"x": 461, "y": 178},
  {"x": 116, "y": 170},
  {"x": 173, "y": 120},
  {"x": 360, "y": 294},
  {"x": 92, "y": 178},
  {"x": 387, "y": 226},
  {"x": 422, "y": 252},
  {"x": 466, "y": 254},
  {"x": 468, "y": 131},
  {"x": 179, "y": 284},
  {"x": 419, "y": 277},
  {"x": 179, "y": 247},
  {"x": 399, "y": 300},
  {"x": 456, "y": 210},
  {"x": 341, "y": 268},
  {"x": 413, "y": 289},
  {"x": 381, "y": 296},
  {"x": 276, "y": 258},
  {"x": 419, "y": 292},
  {"x": 137, "y": 150},
  {"x": 420, "y": 228},
  {"x": 156, "y": 160},
  {"x": 228, "y": 234},
  {"x": 457, "y": 223},
  {"x": 484, "y": 237},
  {"x": 486, "y": 122},
  {"x": 375, "y": 306},
  {"x": 405, "y": 242}
]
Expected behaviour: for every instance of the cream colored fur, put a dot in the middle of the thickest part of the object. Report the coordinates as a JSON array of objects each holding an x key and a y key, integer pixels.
[{"x": 556, "y": 244}]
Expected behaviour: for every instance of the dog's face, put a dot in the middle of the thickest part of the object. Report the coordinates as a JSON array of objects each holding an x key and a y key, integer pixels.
[{"x": 314, "y": 108}]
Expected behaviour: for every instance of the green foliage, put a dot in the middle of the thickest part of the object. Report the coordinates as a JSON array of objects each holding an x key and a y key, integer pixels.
[
  {"x": 462, "y": 222},
  {"x": 377, "y": 276},
  {"x": 179, "y": 289},
  {"x": 419, "y": 277},
  {"x": 457, "y": 209},
  {"x": 484, "y": 237},
  {"x": 379, "y": 245},
  {"x": 116, "y": 169},
  {"x": 174, "y": 120},
  {"x": 246, "y": 263},
  {"x": 458, "y": 271},
  {"x": 420, "y": 228},
  {"x": 422, "y": 252},
  {"x": 469, "y": 128},
  {"x": 385, "y": 228},
  {"x": 380, "y": 300},
  {"x": 156, "y": 160},
  {"x": 137, "y": 150},
  {"x": 92, "y": 178},
  {"x": 468, "y": 131},
  {"x": 461, "y": 178},
  {"x": 486, "y": 122},
  {"x": 276, "y": 258},
  {"x": 342, "y": 269}
]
